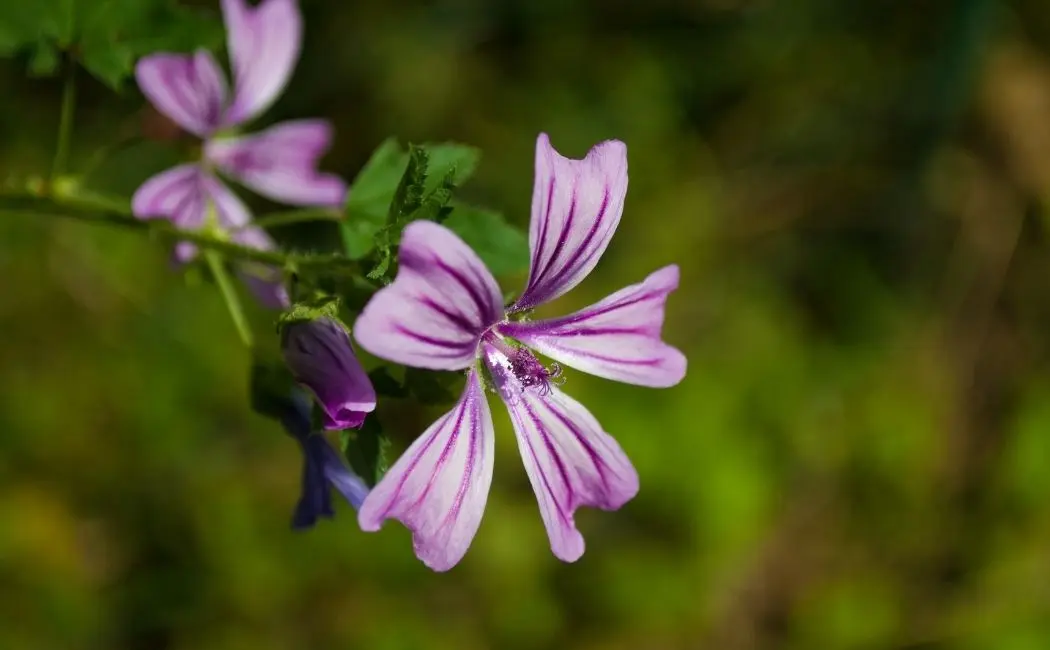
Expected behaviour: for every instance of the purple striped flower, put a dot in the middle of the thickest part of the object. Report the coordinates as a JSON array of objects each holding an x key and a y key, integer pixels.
[
  {"x": 322, "y": 466},
  {"x": 444, "y": 312},
  {"x": 320, "y": 357},
  {"x": 279, "y": 163}
]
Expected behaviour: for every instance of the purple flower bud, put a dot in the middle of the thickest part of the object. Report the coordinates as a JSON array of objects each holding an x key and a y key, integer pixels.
[{"x": 320, "y": 356}]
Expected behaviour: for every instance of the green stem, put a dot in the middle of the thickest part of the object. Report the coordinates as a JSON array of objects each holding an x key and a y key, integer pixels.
[
  {"x": 65, "y": 123},
  {"x": 292, "y": 217},
  {"x": 229, "y": 294},
  {"x": 103, "y": 211}
]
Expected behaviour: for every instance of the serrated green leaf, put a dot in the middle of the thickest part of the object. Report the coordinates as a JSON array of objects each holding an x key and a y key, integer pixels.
[
  {"x": 450, "y": 161},
  {"x": 373, "y": 192},
  {"x": 503, "y": 247},
  {"x": 369, "y": 198},
  {"x": 411, "y": 188},
  {"x": 367, "y": 450}
]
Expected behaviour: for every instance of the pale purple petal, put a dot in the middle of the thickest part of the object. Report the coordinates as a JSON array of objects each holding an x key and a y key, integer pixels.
[
  {"x": 439, "y": 486},
  {"x": 184, "y": 252},
  {"x": 617, "y": 338},
  {"x": 440, "y": 303},
  {"x": 188, "y": 89},
  {"x": 576, "y": 207},
  {"x": 280, "y": 163},
  {"x": 230, "y": 210},
  {"x": 265, "y": 282},
  {"x": 264, "y": 43},
  {"x": 570, "y": 460},
  {"x": 176, "y": 194},
  {"x": 320, "y": 356}
]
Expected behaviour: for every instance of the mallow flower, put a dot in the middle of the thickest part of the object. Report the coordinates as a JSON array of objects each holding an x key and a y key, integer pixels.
[
  {"x": 279, "y": 162},
  {"x": 322, "y": 466},
  {"x": 319, "y": 355},
  {"x": 444, "y": 312}
]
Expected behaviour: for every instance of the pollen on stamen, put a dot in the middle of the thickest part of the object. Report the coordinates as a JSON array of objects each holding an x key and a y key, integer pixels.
[{"x": 530, "y": 372}]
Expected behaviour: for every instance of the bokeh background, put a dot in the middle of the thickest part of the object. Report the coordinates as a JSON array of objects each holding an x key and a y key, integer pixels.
[{"x": 859, "y": 457}]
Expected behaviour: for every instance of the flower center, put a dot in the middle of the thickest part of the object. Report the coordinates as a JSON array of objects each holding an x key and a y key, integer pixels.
[
  {"x": 526, "y": 369},
  {"x": 530, "y": 372}
]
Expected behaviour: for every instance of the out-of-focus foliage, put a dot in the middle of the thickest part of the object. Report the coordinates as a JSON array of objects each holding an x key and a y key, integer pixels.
[
  {"x": 859, "y": 456},
  {"x": 105, "y": 36}
]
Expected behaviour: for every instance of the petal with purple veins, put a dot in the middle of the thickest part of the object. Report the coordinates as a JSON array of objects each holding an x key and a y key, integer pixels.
[
  {"x": 440, "y": 303},
  {"x": 576, "y": 207},
  {"x": 617, "y": 338},
  {"x": 230, "y": 211},
  {"x": 570, "y": 460},
  {"x": 439, "y": 486},
  {"x": 264, "y": 42},
  {"x": 280, "y": 163},
  {"x": 175, "y": 194},
  {"x": 188, "y": 89}
]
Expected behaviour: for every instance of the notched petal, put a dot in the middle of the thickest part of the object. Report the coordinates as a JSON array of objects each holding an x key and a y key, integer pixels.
[
  {"x": 264, "y": 42},
  {"x": 188, "y": 89},
  {"x": 441, "y": 302},
  {"x": 439, "y": 486},
  {"x": 618, "y": 338},
  {"x": 576, "y": 207},
  {"x": 571, "y": 462}
]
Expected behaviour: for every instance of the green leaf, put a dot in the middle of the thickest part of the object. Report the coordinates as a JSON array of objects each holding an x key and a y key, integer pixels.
[
  {"x": 367, "y": 450},
  {"x": 503, "y": 247},
  {"x": 411, "y": 188},
  {"x": 369, "y": 198},
  {"x": 450, "y": 162},
  {"x": 43, "y": 62},
  {"x": 372, "y": 193},
  {"x": 105, "y": 36}
]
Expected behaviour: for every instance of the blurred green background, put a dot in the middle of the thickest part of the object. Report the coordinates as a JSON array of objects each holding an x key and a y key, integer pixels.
[{"x": 858, "y": 458}]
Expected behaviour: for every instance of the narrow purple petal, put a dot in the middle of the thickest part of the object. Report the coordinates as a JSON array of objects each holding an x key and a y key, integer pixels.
[
  {"x": 435, "y": 311},
  {"x": 617, "y": 338},
  {"x": 280, "y": 163},
  {"x": 321, "y": 358},
  {"x": 439, "y": 486},
  {"x": 230, "y": 210},
  {"x": 264, "y": 43},
  {"x": 315, "y": 498},
  {"x": 570, "y": 460},
  {"x": 188, "y": 89},
  {"x": 576, "y": 207},
  {"x": 265, "y": 282},
  {"x": 342, "y": 479},
  {"x": 176, "y": 194}
]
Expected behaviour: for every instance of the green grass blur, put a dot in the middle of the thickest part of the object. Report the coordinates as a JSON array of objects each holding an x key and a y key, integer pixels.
[{"x": 859, "y": 457}]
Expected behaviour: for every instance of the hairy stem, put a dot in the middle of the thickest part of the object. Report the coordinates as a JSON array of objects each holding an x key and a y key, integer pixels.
[{"x": 100, "y": 211}]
